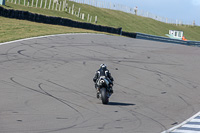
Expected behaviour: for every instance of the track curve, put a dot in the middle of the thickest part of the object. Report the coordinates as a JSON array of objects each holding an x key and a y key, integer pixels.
[{"x": 46, "y": 85}]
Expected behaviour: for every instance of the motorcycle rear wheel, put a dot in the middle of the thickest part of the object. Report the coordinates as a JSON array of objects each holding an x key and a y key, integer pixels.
[{"x": 104, "y": 96}]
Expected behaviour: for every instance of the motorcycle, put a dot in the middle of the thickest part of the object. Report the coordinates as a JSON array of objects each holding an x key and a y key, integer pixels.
[{"x": 104, "y": 90}]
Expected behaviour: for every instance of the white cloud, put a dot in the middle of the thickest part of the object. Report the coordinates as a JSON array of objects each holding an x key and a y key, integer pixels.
[{"x": 196, "y": 2}]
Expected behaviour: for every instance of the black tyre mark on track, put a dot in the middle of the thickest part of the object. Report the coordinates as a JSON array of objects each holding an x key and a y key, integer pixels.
[
  {"x": 46, "y": 49},
  {"x": 12, "y": 79},
  {"x": 152, "y": 119},
  {"x": 173, "y": 77},
  {"x": 61, "y": 100},
  {"x": 70, "y": 101},
  {"x": 188, "y": 104},
  {"x": 138, "y": 92},
  {"x": 60, "y": 129},
  {"x": 7, "y": 52},
  {"x": 162, "y": 114},
  {"x": 74, "y": 91},
  {"x": 20, "y": 52},
  {"x": 79, "y": 94},
  {"x": 45, "y": 93}
]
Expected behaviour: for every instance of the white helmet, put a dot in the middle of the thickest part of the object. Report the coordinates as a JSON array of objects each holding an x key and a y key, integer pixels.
[{"x": 103, "y": 66}]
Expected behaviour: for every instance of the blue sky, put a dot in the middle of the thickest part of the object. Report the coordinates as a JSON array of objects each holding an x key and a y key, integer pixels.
[{"x": 185, "y": 10}]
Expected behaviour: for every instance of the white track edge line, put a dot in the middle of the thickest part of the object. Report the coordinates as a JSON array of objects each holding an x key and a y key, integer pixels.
[
  {"x": 173, "y": 128},
  {"x": 47, "y": 36}
]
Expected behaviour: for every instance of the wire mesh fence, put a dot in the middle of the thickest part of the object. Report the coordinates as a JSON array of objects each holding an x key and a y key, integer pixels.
[
  {"x": 133, "y": 10},
  {"x": 62, "y": 5}
]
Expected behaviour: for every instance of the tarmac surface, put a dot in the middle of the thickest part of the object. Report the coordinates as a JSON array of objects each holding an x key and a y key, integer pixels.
[{"x": 46, "y": 85}]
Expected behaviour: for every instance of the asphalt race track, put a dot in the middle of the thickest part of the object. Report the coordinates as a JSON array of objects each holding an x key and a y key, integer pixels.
[{"x": 46, "y": 85}]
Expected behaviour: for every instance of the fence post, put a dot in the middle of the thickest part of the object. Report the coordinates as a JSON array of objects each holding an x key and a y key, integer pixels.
[
  {"x": 73, "y": 9},
  {"x": 79, "y": 10},
  {"x": 83, "y": 15},
  {"x": 60, "y": 5},
  {"x": 32, "y": 3},
  {"x": 56, "y": 6},
  {"x": 36, "y": 3},
  {"x": 15, "y": 1},
  {"x": 41, "y": 4},
  {"x": 193, "y": 23},
  {"x": 24, "y": 2},
  {"x": 88, "y": 17},
  {"x": 53, "y": 5},
  {"x": 95, "y": 19},
  {"x": 45, "y": 4},
  {"x": 49, "y": 4},
  {"x": 69, "y": 9},
  {"x": 63, "y": 5}
]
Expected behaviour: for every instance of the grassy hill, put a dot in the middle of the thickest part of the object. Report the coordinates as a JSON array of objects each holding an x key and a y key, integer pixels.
[
  {"x": 128, "y": 22},
  {"x": 13, "y": 29}
]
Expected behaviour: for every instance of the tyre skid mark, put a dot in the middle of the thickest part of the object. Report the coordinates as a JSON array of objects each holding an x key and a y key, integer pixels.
[
  {"x": 12, "y": 79},
  {"x": 152, "y": 119},
  {"x": 45, "y": 93},
  {"x": 74, "y": 91},
  {"x": 20, "y": 52},
  {"x": 134, "y": 115},
  {"x": 7, "y": 52},
  {"x": 173, "y": 77},
  {"x": 61, "y": 100},
  {"x": 77, "y": 93}
]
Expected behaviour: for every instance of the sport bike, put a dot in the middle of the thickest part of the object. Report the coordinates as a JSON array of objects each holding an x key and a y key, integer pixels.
[{"x": 104, "y": 90}]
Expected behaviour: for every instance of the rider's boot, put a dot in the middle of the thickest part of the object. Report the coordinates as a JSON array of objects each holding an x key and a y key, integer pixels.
[
  {"x": 111, "y": 89},
  {"x": 98, "y": 92}
]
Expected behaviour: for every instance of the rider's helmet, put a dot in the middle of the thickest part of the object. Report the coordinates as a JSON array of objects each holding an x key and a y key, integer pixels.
[{"x": 103, "y": 66}]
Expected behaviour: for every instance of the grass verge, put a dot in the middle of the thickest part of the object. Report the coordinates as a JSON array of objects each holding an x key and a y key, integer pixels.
[{"x": 13, "y": 29}]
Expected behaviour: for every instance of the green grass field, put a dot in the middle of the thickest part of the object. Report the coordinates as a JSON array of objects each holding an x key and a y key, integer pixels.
[
  {"x": 128, "y": 22},
  {"x": 13, "y": 29}
]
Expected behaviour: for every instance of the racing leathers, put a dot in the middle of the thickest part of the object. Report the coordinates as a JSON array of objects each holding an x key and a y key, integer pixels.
[{"x": 107, "y": 74}]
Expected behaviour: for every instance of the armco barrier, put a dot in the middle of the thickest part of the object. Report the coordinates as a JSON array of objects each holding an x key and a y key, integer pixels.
[
  {"x": 165, "y": 39},
  {"x": 128, "y": 34}
]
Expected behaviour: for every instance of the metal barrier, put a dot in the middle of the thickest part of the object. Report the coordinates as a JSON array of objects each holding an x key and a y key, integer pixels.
[{"x": 165, "y": 39}]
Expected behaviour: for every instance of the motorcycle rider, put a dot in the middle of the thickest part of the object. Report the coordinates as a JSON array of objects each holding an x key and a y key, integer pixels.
[{"x": 103, "y": 71}]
